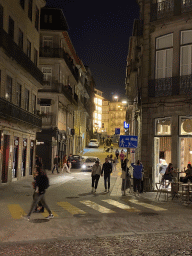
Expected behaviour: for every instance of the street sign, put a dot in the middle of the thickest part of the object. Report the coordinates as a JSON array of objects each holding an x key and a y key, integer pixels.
[
  {"x": 126, "y": 125},
  {"x": 117, "y": 130},
  {"x": 128, "y": 141}
]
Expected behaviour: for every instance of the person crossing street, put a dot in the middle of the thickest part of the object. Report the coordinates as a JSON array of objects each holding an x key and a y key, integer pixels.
[
  {"x": 95, "y": 174},
  {"x": 107, "y": 169}
]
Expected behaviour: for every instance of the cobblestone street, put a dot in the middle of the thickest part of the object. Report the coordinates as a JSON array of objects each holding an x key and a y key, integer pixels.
[{"x": 157, "y": 244}]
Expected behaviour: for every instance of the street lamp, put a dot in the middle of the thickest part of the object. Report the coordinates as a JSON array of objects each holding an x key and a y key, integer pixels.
[{"x": 116, "y": 97}]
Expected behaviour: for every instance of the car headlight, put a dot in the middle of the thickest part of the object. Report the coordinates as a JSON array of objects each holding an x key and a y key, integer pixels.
[{"x": 83, "y": 166}]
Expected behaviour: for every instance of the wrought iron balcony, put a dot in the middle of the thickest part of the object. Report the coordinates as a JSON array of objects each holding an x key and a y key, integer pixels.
[
  {"x": 170, "y": 86},
  {"x": 60, "y": 53},
  {"x": 168, "y": 8},
  {"x": 15, "y": 52},
  {"x": 12, "y": 112},
  {"x": 49, "y": 86},
  {"x": 48, "y": 119}
]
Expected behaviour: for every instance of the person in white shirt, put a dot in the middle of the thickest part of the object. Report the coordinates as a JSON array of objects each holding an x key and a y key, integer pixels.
[{"x": 95, "y": 174}]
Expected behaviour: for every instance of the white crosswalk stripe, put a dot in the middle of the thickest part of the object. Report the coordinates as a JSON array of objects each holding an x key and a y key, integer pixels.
[
  {"x": 120, "y": 205},
  {"x": 96, "y": 207},
  {"x": 149, "y": 206}
]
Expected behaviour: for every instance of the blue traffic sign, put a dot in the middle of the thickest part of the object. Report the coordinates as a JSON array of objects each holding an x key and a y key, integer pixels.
[
  {"x": 126, "y": 125},
  {"x": 117, "y": 130},
  {"x": 128, "y": 141}
]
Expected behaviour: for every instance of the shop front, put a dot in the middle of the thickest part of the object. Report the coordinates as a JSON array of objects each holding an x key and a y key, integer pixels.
[
  {"x": 185, "y": 142},
  {"x": 162, "y": 148},
  {"x": 172, "y": 148}
]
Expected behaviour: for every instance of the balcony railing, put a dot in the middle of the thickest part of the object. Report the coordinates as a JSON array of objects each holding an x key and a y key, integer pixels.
[
  {"x": 60, "y": 53},
  {"x": 48, "y": 119},
  {"x": 15, "y": 52},
  {"x": 11, "y": 112},
  {"x": 170, "y": 86},
  {"x": 168, "y": 8},
  {"x": 49, "y": 86}
]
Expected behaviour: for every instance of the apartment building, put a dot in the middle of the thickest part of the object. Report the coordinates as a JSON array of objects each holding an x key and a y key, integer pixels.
[
  {"x": 20, "y": 80},
  {"x": 113, "y": 117},
  {"x": 97, "y": 114},
  {"x": 65, "y": 97},
  {"x": 163, "y": 84}
]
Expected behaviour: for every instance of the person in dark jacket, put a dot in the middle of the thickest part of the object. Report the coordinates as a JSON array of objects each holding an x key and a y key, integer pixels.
[
  {"x": 107, "y": 169},
  {"x": 137, "y": 176},
  {"x": 55, "y": 162},
  {"x": 39, "y": 195}
]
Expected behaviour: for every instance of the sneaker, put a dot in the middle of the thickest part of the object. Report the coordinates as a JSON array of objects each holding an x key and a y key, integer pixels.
[
  {"x": 50, "y": 216},
  {"x": 105, "y": 191},
  {"x": 95, "y": 191},
  {"x": 26, "y": 217}
]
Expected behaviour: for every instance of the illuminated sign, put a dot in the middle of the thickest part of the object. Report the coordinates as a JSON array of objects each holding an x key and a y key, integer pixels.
[{"x": 126, "y": 125}]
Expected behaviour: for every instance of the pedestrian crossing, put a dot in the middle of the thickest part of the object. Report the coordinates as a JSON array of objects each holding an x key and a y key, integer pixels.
[{"x": 86, "y": 206}]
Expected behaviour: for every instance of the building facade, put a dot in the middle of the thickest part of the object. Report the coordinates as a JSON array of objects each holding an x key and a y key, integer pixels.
[
  {"x": 20, "y": 80},
  {"x": 164, "y": 83},
  {"x": 113, "y": 117},
  {"x": 65, "y": 97},
  {"x": 97, "y": 115}
]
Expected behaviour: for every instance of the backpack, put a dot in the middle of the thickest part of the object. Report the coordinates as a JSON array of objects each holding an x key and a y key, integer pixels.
[{"x": 45, "y": 181}]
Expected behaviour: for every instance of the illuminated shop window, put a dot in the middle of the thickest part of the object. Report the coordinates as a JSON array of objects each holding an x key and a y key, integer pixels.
[
  {"x": 163, "y": 126},
  {"x": 100, "y": 102},
  {"x": 186, "y": 125}
]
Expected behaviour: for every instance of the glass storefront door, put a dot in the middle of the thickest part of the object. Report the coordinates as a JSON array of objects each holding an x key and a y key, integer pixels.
[
  {"x": 162, "y": 157},
  {"x": 185, "y": 152}
]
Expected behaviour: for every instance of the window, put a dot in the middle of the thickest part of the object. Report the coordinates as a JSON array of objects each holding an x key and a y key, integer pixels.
[
  {"x": 33, "y": 103},
  {"x": 37, "y": 19},
  {"x": 47, "y": 72},
  {"x": 186, "y": 53},
  {"x": 28, "y": 48},
  {"x": 163, "y": 126},
  {"x": 45, "y": 18},
  {"x": 20, "y": 41},
  {"x": 30, "y": 9},
  {"x": 48, "y": 41},
  {"x": 11, "y": 28},
  {"x": 35, "y": 56},
  {"x": 18, "y": 95},
  {"x": 164, "y": 56},
  {"x": 1, "y": 16},
  {"x": 185, "y": 126},
  {"x": 26, "y": 106},
  {"x": 22, "y": 3},
  {"x": 8, "y": 92}
]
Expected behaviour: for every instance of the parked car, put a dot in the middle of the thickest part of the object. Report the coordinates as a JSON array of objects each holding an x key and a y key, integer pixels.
[
  {"x": 93, "y": 143},
  {"x": 88, "y": 163},
  {"x": 76, "y": 161}
]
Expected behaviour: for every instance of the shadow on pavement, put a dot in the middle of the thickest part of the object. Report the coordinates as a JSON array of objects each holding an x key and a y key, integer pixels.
[{"x": 39, "y": 220}]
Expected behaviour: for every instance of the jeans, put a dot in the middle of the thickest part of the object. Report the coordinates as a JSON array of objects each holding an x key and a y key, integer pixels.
[
  {"x": 37, "y": 198},
  {"x": 55, "y": 167},
  {"x": 136, "y": 184},
  {"x": 95, "y": 180},
  {"x": 107, "y": 179}
]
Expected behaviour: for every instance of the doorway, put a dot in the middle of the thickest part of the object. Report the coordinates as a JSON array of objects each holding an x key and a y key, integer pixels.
[
  {"x": 31, "y": 158},
  {"x": 15, "y": 157},
  {"x": 5, "y": 159},
  {"x": 185, "y": 152},
  {"x": 162, "y": 157},
  {"x": 24, "y": 158}
]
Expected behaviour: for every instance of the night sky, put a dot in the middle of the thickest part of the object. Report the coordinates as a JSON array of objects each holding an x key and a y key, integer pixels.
[{"x": 100, "y": 35}]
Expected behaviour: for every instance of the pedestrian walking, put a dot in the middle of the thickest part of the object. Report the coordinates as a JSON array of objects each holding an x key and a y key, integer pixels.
[
  {"x": 117, "y": 153},
  {"x": 114, "y": 164},
  {"x": 126, "y": 182},
  {"x": 55, "y": 164},
  {"x": 69, "y": 162},
  {"x": 137, "y": 176},
  {"x": 122, "y": 157},
  {"x": 42, "y": 184},
  {"x": 95, "y": 174},
  {"x": 39, "y": 207},
  {"x": 65, "y": 166},
  {"x": 107, "y": 169}
]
